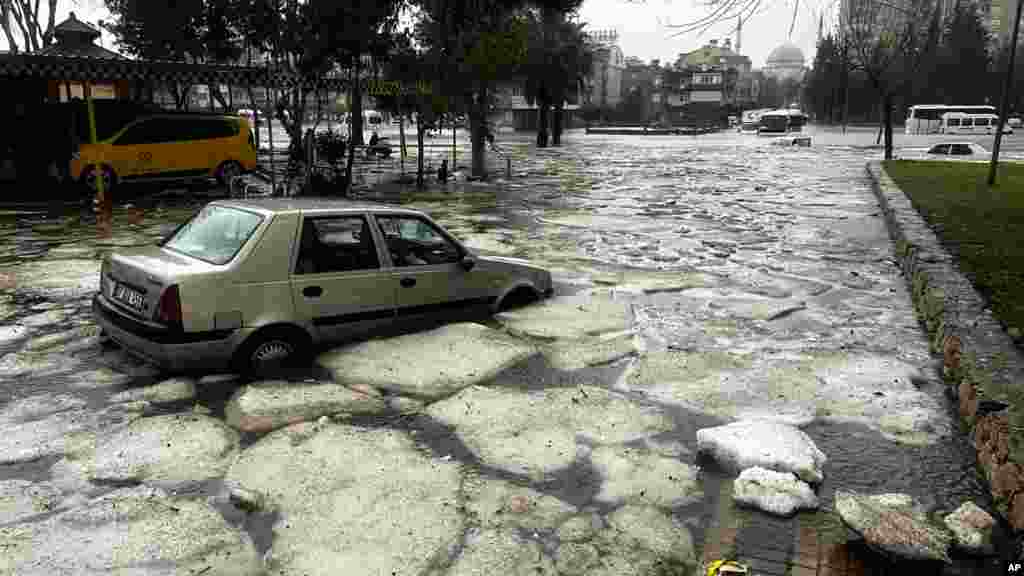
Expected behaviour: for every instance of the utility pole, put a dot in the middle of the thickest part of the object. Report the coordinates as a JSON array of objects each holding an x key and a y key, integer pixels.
[{"x": 1005, "y": 105}]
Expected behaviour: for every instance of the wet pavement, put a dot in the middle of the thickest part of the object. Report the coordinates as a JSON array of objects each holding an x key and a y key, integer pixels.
[{"x": 753, "y": 280}]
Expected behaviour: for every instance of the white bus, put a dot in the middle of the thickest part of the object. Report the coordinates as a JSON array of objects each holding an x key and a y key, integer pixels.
[
  {"x": 960, "y": 123},
  {"x": 927, "y": 118}
]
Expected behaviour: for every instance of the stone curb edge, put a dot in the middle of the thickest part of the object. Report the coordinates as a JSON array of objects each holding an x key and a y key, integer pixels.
[{"x": 979, "y": 357}]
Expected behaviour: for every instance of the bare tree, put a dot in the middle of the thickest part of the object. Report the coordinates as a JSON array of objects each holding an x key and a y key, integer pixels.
[
  {"x": 719, "y": 11},
  {"x": 887, "y": 40},
  {"x": 25, "y": 14}
]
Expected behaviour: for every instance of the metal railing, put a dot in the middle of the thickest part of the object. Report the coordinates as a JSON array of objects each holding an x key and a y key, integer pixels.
[{"x": 368, "y": 170}]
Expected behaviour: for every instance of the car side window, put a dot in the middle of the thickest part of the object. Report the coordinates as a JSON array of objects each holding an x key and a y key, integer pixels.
[
  {"x": 227, "y": 128},
  {"x": 413, "y": 241},
  {"x": 336, "y": 244},
  {"x": 939, "y": 149},
  {"x": 961, "y": 149},
  {"x": 189, "y": 129}
]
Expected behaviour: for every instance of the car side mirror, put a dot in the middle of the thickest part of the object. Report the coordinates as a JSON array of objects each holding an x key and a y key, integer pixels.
[{"x": 467, "y": 263}]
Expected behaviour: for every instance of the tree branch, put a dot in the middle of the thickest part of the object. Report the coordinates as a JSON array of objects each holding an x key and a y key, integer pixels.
[
  {"x": 25, "y": 7},
  {"x": 48, "y": 36},
  {"x": 25, "y": 36},
  {"x": 5, "y": 22}
]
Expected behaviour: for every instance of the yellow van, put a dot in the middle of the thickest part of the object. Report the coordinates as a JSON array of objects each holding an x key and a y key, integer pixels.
[{"x": 169, "y": 147}]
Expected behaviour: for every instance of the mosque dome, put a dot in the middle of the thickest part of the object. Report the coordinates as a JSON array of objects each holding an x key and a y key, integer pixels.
[
  {"x": 786, "y": 54},
  {"x": 786, "y": 61}
]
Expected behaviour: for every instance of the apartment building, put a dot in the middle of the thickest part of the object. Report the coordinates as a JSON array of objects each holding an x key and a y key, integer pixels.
[{"x": 603, "y": 86}]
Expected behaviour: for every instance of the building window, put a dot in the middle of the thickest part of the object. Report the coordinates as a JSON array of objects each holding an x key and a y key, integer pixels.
[{"x": 707, "y": 79}]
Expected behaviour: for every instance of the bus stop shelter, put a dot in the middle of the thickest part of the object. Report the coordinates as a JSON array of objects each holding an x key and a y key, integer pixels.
[{"x": 34, "y": 84}]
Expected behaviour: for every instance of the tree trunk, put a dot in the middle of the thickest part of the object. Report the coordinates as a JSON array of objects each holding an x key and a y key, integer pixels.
[
  {"x": 257, "y": 114},
  {"x": 542, "y": 124},
  {"x": 887, "y": 115},
  {"x": 295, "y": 104},
  {"x": 216, "y": 94},
  {"x": 347, "y": 182},
  {"x": 478, "y": 114},
  {"x": 556, "y": 129},
  {"x": 181, "y": 96},
  {"x": 5, "y": 22},
  {"x": 356, "y": 107},
  {"x": 401, "y": 143},
  {"x": 419, "y": 151},
  {"x": 25, "y": 34}
]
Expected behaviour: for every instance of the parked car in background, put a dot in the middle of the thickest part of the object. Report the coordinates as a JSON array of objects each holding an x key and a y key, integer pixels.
[
  {"x": 959, "y": 150},
  {"x": 169, "y": 147},
  {"x": 252, "y": 116},
  {"x": 804, "y": 141},
  {"x": 254, "y": 284}
]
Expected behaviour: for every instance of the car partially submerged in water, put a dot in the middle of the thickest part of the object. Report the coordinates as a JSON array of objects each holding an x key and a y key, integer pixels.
[
  {"x": 961, "y": 151},
  {"x": 250, "y": 285}
]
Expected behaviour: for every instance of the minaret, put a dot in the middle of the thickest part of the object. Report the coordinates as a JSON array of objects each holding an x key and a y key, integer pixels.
[{"x": 739, "y": 33}]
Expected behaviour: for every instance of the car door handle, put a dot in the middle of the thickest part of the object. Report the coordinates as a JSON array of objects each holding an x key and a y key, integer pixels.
[
  {"x": 312, "y": 291},
  {"x": 408, "y": 282}
]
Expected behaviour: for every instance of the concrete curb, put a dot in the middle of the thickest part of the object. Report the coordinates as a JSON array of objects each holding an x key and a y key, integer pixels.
[{"x": 979, "y": 357}]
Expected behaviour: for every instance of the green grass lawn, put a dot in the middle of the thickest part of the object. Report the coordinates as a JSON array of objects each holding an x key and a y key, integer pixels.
[{"x": 982, "y": 227}]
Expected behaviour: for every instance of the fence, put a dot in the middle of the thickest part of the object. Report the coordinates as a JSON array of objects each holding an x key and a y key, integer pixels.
[{"x": 368, "y": 169}]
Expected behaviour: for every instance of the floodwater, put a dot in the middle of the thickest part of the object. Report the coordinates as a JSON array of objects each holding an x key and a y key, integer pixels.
[{"x": 796, "y": 270}]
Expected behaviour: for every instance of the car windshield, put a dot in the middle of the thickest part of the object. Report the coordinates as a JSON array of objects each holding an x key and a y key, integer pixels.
[{"x": 215, "y": 234}]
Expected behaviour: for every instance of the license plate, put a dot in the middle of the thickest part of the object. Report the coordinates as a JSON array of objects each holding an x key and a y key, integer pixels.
[{"x": 129, "y": 296}]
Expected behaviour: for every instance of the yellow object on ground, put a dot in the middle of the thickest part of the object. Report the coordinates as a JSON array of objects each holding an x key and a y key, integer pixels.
[{"x": 726, "y": 568}]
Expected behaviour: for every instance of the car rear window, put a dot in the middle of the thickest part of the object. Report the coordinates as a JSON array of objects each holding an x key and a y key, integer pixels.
[{"x": 215, "y": 234}]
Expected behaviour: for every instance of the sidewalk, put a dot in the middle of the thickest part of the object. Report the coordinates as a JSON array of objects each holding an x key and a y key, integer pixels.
[{"x": 980, "y": 360}]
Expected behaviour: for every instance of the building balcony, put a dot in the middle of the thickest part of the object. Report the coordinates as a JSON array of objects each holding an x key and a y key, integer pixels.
[{"x": 706, "y": 87}]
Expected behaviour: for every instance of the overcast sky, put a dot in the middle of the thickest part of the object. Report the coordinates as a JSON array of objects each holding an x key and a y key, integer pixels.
[{"x": 644, "y": 26}]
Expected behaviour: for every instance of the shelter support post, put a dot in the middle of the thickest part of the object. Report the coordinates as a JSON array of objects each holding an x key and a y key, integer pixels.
[{"x": 103, "y": 202}]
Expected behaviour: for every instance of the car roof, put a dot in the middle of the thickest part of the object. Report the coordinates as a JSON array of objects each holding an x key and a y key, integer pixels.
[{"x": 311, "y": 205}]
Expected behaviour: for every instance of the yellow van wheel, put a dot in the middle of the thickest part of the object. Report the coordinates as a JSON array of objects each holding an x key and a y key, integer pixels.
[
  {"x": 88, "y": 179},
  {"x": 227, "y": 171}
]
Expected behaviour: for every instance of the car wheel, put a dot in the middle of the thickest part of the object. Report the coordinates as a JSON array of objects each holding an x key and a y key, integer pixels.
[
  {"x": 518, "y": 298},
  {"x": 273, "y": 349},
  {"x": 227, "y": 171},
  {"x": 89, "y": 179}
]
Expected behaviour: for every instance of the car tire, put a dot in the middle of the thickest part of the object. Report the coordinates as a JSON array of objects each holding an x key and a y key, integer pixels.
[
  {"x": 228, "y": 170},
  {"x": 88, "y": 179},
  {"x": 273, "y": 349},
  {"x": 518, "y": 298}
]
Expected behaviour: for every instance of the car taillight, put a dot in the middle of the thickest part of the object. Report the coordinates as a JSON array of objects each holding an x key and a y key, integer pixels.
[{"x": 169, "y": 310}]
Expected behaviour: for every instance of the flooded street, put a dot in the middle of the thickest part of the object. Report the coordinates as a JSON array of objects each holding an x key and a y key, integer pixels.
[{"x": 733, "y": 279}]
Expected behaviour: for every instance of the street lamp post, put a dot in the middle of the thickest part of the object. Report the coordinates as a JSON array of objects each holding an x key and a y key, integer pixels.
[{"x": 1005, "y": 105}]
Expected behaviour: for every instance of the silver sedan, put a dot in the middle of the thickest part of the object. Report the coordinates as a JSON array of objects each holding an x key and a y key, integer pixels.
[{"x": 253, "y": 284}]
